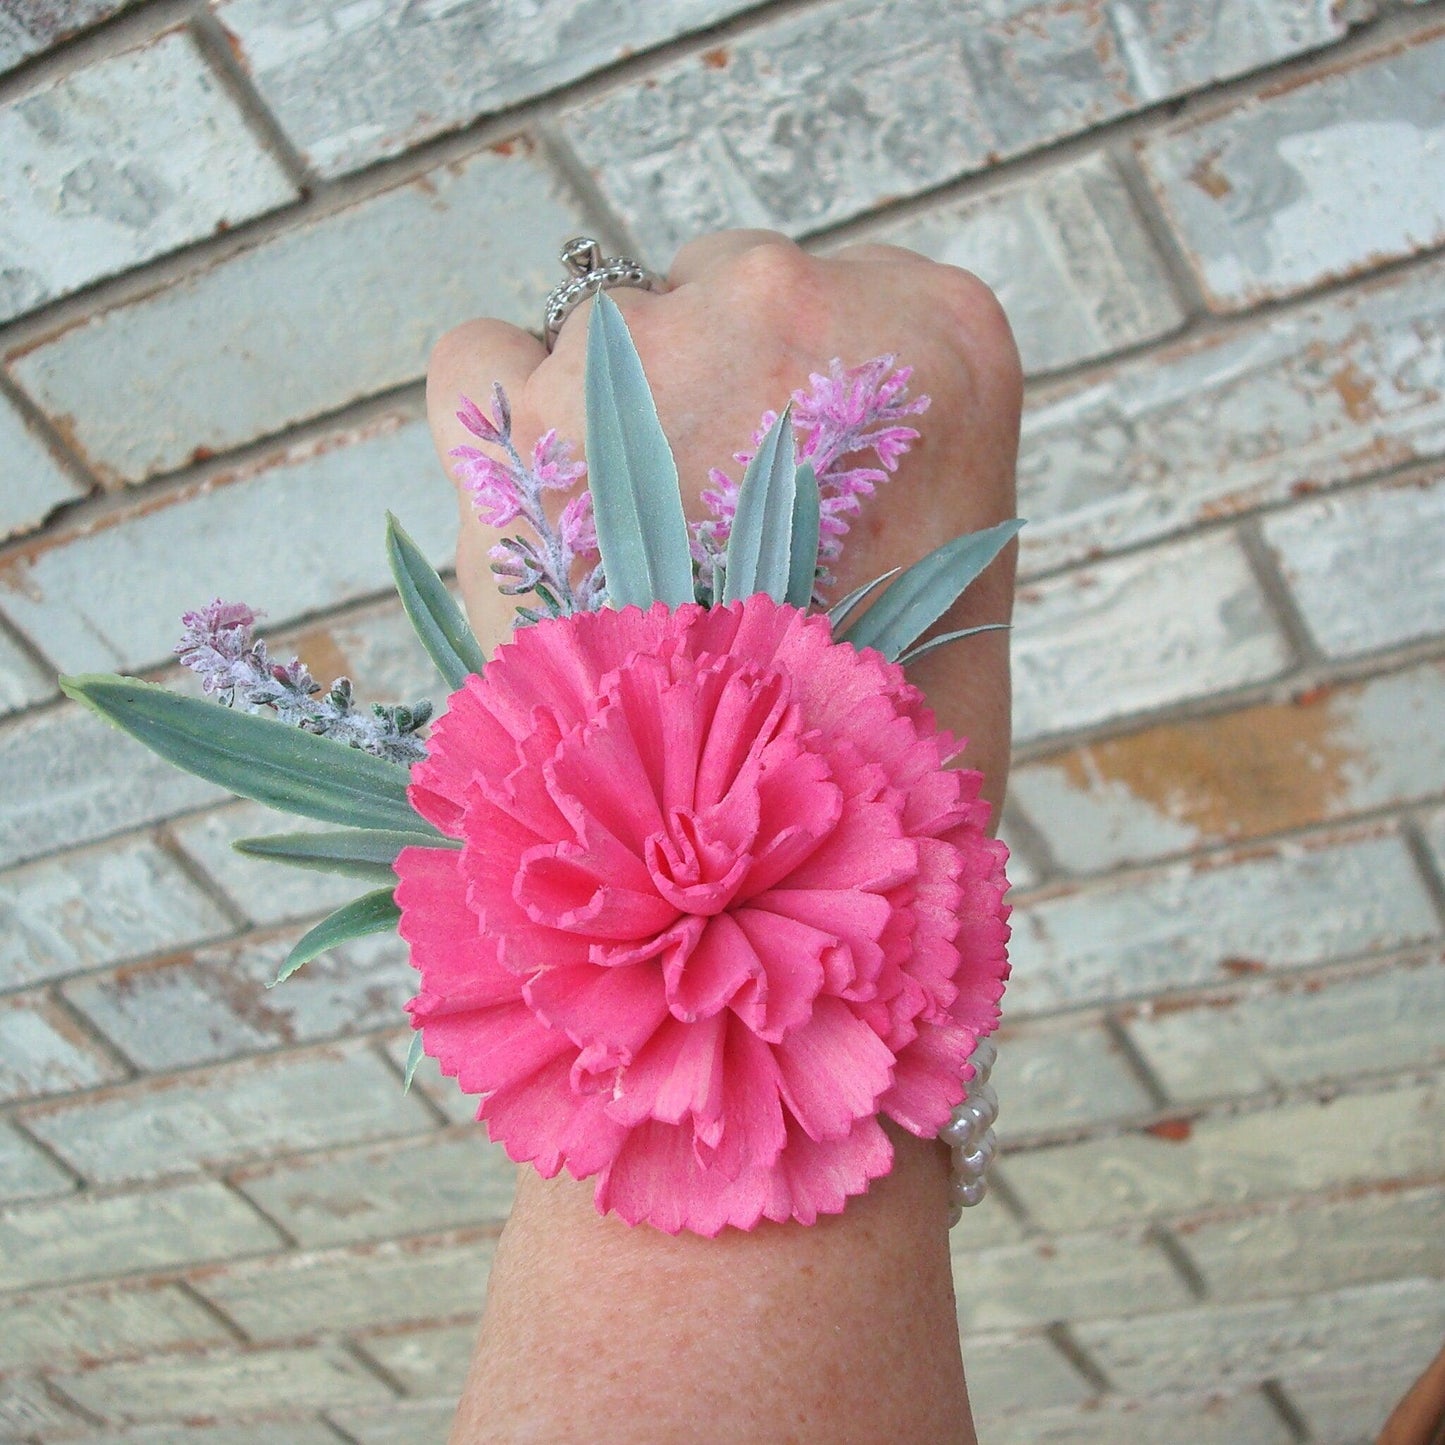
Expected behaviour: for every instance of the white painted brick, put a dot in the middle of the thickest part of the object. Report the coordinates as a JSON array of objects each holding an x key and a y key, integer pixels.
[
  {"x": 353, "y": 84},
  {"x": 1226, "y": 422},
  {"x": 32, "y": 480},
  {"x": 1188, "y": 924},
  {"x": 26, "y": 1405},
  {"x": 1435, "y": 837},
  {"x": 23, "y": 682},
  {"x": 160, "y": 1229},
  {"x": 1350, "y": 1407},
  {"x": 339, "y": 308},
  {"x": 98, "y": 178},
  {"x": 80, "y": 602},
  {"x": 1064, "y": 1277},
  {"x": 1305, "y": 184},
  {"x": 1006, "y": 1371},
  {"x": 27, "y": 30},
  {"x": 1327, "y": 754},
  {"x": 1178, "y": 1167},
  {"x": 428, "y": 1363},
  {"x": 66, "y": 778},
  {"x": 226, "y": 1382},
  {"x": 100, "y": 905},
  {"x": 1139, "y": 632},
  {"x": 1245, "y": 1419},
  {"x": 818, "y": 116},
  {"x": 1022, "y": 871},
  {"x": 226, "y": 1115},
  {"x": 1066, "y": 255},
  {"x": 359, "y": 1288},
  {"x": 1063, "y": 1074},
  {"x": 1297, "y": 1031},
  {"x": 55, "y": 1327},
  {"x": 26, "y": 1173},
  {"x": 459, "y": 1108},
  {"x": 43, "y": 1051},
  {"x": 416, "y": 1187},
  {"x": 1313, "y": 1245},
  {"x": 1344, "y": 556},
  {"x": 982, "y": 1225},
  {"x": 292, "y": 1432},
  {"x": 217, "y": 1004},
  {"x": 1230, "y": 1345},
  {"x": 422, "y": 1422}
]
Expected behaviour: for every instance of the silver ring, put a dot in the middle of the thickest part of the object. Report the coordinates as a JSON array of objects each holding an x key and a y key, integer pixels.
[{"x": 582, "y": 256}]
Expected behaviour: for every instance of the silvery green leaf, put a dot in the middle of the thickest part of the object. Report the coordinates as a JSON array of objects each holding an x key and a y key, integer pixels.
[
  {"x": 760, "y": 544},
  {"x": 371, "y": 913},
  {"x": 803, "y": 566},
  {"x": 257, "y": 757},
  {"x": 926, "y": 647},
  {"x": 641, "y": 531},
  {"x": 356, "y": 852},
  {"x": 926, "y": 590},
  {"x": 439, "y": 622},
  {"x": 839, "y": 612},
  {"x": 414, "y": 1052}
]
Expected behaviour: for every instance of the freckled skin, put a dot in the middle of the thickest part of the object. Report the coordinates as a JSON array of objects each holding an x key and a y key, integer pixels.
[{"x": 844, "y": 1331}]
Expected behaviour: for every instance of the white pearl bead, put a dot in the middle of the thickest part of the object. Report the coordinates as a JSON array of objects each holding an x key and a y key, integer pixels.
[{"x": 960, "y": 1131}]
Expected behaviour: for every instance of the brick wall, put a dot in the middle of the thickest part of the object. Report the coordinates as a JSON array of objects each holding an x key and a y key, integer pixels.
[{"x": 228, "y": 236}]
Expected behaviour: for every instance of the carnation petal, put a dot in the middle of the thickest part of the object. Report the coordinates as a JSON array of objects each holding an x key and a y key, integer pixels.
[{"x": 833, "y": 1070}]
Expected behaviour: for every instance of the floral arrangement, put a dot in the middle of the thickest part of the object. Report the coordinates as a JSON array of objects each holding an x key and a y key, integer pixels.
[{"x": 694, "y": 896}]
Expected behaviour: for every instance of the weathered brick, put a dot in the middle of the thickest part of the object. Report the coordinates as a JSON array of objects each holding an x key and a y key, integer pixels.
[
  {"x": 217, "y": 1004},
  {"x": 97, "y": 906},
  {"x": 1206, "y": 921},
  {"x": 1435, "y": 837},
  {"x": 1269, "y": 768},
  {"x": 43, "y": 1051},
  {"x": 66, "y": 778},
  {"x": 1225, "y": 422},
  {"x": 28, "y": 29},
  {"x": 1064, "y": 1277},
  {"x": 1344, "y": 556},
  {"x": 224, "y": 1382},
  {"x": 100, "y": 1324},
  {"x": 26, "y": 1173},
  {"x": 363, "y": 1287},
  {"x": 818, "y": 116},
  {"x": 226, "y": 1115},
  {"x": 23, "y": 682},
  {"x": 353, "y": 85},
  {"x": 1063, "y": 1074},
  {"x": 982, "y": 1225},
  {"x": 459, "y": 1108},
  {"x": 1065, "y": 253},
  {"x": 427, "y": 1363},
  {"x": 99, "y": 180},
  {"x": 1005, "y": 1371},
  {"x": 291, "y": 1431},
  {"x": 26, "y": 1405},
  {"x": 373, "y": 1193},
  {"x": 1345, "y": 1406},
  {"x": 1233, "y": 1344},
  {"x": 1290, "y": 1032},
  {"x": 418, "y": 1422},
  {"x": 1138, "y": 632},
  {"x": 78, "y": 596},
  {"x": 32, "y": 480},
  {"x": 87, "y": 1236},
  {"x": 1309, "y": 1245},
  {"x": 1244, "y": 1419},
  {"x": 1178, "y": 1166},
  {"x": 342, "y": 307},
  {"x": 1307, "y": 183}
]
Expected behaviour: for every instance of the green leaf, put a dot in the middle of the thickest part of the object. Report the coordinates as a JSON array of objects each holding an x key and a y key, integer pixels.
[
  {"x": 357, "y": 852},
  {"x": 257, "y": 757},
  {"x": 371, "y": 913},
  {"x": 641, "y": 531},
  {"x": 414, "y": 1053},
  {"x": 439, "y": 622},
  {"x": 760, "y": 544},
  {"x": 926, "y": 647},
  {"x": 839, "y": 612},
  {"x": 803, "y": 566},
  {"x": 927, "y": 590}
]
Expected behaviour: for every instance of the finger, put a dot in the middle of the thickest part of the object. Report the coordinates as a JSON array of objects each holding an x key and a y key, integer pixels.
[
  {"x": 571, "y": 335},
  {"x": 699, "y": 259}
]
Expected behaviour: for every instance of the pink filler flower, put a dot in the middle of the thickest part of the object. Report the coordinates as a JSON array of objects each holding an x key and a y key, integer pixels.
[{"x": 720, "y": 905}]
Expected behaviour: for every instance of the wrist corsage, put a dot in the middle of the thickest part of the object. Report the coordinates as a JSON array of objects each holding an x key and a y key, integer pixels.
[{"x": 695, "y": 897}]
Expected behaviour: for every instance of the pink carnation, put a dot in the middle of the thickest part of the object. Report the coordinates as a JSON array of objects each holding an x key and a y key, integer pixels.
[{"x": 720, "y": 905}]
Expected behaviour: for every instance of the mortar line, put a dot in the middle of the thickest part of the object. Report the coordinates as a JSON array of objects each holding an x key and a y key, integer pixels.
[
  {"x": 200, "y": 877},
  {"x": 1135, "y": 1062},
  {"x": 93, "y": 1032},
  {"x": 1062, "y": 1339},
  {"x": 1426, "y": 863},
  {"x": 1164, "y": 1240},
  {"x": 216, "y": 1313},
  {"x": 1279, "y": 599},
  {"x": 1284, "y": 1407}
]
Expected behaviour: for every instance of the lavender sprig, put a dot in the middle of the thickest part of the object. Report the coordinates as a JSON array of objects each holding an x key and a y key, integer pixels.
[
  {"x": 219, "y": 645},
  {"x": 503, "y": 491}
]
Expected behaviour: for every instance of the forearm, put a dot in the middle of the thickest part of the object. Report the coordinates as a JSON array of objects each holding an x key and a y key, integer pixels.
[{"x": 842, "y": 1331}]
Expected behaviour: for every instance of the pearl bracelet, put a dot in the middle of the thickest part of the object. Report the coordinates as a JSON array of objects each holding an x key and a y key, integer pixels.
[{"x": 970, "y": 1137}]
